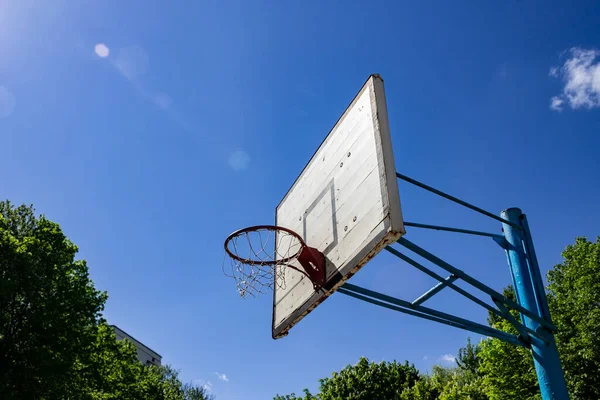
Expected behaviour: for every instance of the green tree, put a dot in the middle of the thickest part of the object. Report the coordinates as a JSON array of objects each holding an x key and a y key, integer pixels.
[
  {"x": 574, "y": 300},
  {"x": 463, "y": 385},
  {"x": 195, "y": 392},
  {"x": 463, "y": 382},
  {"x": 160, "y": 383},
  {"x": 369, "y": 381},
  {"x": 508, "y": 371},
  {"x": 468, "y": 359},
  {"x": 423, "y": 389},
  {"x": 292, "y": 396},
  {"x": 48, "y": 307},
  {"x": 364, "y": 381},
  {"x": 447, "y": 384},
  {"x": 112, "y": 371},
  {"x": 53, "y": 341}
]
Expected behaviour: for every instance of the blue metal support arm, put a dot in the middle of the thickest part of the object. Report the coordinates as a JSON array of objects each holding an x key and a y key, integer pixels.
[
  {"x": 498, "y": 334},
  {"x": 458, "y": 230},
  {"x": 426, "y": 313},
  {"x": 434, "y": 290},
  {"x": 454, "y": 199},
  {"x": 455, "y": 288},
  {"x": 424, "y": 269},
  {"x": 474, "y": 282},
  {"x": 523, "y": 330}
]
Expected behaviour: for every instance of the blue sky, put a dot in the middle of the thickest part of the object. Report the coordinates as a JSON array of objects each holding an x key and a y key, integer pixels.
[{"x": 150, "y": 132}]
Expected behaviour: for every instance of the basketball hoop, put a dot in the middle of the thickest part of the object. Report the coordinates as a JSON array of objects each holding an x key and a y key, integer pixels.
[{"x": 259, "y": 254}]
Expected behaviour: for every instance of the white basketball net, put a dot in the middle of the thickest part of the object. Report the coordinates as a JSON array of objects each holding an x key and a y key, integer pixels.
[{"x": 258, "y": 271}]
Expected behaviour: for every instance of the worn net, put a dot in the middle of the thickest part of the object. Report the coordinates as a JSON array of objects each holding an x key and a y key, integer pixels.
[{"x": 260, "y": 258}]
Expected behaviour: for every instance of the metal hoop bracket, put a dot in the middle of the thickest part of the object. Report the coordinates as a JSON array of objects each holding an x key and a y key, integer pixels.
[{"x": 311, "y": 260}]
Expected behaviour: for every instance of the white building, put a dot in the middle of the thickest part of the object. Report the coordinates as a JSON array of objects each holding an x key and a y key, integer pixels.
[{"x": 145, "y": 354}]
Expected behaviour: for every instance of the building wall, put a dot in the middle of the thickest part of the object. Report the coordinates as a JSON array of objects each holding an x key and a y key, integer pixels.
[{"x": 146, "y": 355}]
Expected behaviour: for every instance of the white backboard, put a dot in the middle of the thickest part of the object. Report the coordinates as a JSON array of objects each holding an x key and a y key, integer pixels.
[{"x": 345, "y": 203}]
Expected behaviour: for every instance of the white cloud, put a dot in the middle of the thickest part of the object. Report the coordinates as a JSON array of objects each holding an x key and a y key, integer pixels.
[
  {"x": 447, "y": 358},
  {"x": 102, "y": 50},
  {"x": 556, "y": 103},
  {"x": 581, "y": 77},
  {"x": 7, "y": 102},
  {"x": 425, "y": 358},
  {"x": 239, "y": 160},
  {"x": 222, "y": 377}
]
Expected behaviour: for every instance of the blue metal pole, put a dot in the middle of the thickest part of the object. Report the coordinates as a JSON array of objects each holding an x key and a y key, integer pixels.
[{"x": 545, "y": 355}]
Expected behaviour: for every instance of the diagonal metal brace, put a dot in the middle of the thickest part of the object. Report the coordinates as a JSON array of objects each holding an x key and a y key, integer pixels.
[
  {"x": 508, "y": 316},
  {"x": 457, "y": 289},
  {"x": 474, "y": 282},
  {"x": 434, "y": 290},
  {"x": 523, "y": 330},
  {"x": 406, "y": 307},
  {"x": 502, "y": 313}
]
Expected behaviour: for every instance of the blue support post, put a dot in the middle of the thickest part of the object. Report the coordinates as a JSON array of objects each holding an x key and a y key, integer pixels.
[{"x": 545, "y": 355}]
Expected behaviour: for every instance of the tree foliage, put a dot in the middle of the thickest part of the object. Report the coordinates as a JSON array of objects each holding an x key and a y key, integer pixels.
[
  {"x": 292, "y": 396},
  {"x": 423, "y": 389},
  {"x": 111, "y": 372},
  {"x": 508, "y": 371},
  {"x": 114, "y": 372},
  {"x": 457, "y": 383},
  {"x": 369, "y": 380},
  {"x": 196, "y": 392},
  {"x": 468, "y": 359},
  {"x": 364, "y": 381},
  {"x": 391, "y": 380},
  {"x": 48, "y": 306},
  {"x": 53, "y": 342},
  {"x": 463, "y": 385},
  {"x": 574, "y": 300}
]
